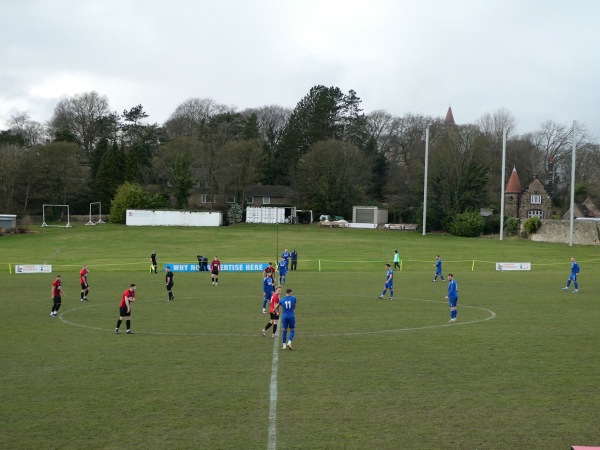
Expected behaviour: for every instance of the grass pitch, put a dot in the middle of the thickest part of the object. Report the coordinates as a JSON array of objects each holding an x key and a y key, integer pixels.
[{"x": 518, "y": 370}]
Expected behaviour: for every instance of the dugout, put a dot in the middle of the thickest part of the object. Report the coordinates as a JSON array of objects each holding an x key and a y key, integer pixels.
[
  {"x": 8, "y": 221},
  {"x": 369, "y": 214}
]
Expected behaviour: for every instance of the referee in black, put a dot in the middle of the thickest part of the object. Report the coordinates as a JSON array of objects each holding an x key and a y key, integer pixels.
[{"x": 169, "y": 283}]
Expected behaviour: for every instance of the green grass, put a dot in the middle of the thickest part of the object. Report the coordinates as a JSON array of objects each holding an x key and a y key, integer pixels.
[{"x": 520, "y": 369}]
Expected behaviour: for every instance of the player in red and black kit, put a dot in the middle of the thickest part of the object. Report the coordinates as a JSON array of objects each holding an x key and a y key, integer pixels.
[
  {"x": 274, "y": 312},
  {"x": 57, "y": 291},
  {"x": 85, "y": 287},
  {"x": 215, "y": 267},
  {"x": 125, "y": 308},
  {"x": 269, "y": 271}
]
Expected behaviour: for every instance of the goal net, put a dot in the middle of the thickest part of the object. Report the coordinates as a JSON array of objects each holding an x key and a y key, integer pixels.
[
  {"x": 56, "y": 216},
  {"x": 95, "y": 213}
]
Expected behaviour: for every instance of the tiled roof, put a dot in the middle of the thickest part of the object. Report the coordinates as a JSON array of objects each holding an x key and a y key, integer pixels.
[
  {"x": 514, "y": 184},
  {"x": 449, "y": 120}
]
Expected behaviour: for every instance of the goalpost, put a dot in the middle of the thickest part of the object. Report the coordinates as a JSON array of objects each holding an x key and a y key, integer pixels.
[
  {"x": 99, "y": 205},
  {"x": 51, "y": 213}
]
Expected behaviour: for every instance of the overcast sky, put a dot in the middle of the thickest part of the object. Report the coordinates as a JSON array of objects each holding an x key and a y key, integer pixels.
[{"x": 538, "y": 59}]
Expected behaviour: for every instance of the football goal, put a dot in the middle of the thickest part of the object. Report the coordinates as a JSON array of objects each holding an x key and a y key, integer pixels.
[
  {"x": 95, "y": 211},
  {"x": 56, "y": 216}
]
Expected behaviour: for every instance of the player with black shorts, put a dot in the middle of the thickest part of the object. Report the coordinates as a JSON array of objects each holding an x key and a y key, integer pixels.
[
  {"x": 85, "y": 287},
  {"x": 215, "y": 267},
  {"x": 169, "y": 283},
  {"x": 127, "y": 298}
]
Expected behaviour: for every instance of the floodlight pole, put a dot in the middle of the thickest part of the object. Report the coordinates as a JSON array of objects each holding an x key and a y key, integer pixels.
[
  {"x": 425, "y": 180},
  {"x": 572, "y": 188},
  {"x": 502, "y": 185}
]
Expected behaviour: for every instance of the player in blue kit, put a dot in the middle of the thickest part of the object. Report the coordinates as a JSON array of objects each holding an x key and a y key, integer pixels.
[
  {"x": 438, "y": 268},
  {"x": 389, "y": 282},
  {"x": 452, "y": 297},
  {"x": 267, "y": 291},
  {"x": 286, "y": 256},
  {"x": 288, "y": 318},
  {"x": 573, "y": 276},
  {"x": 282, "y": 267}
]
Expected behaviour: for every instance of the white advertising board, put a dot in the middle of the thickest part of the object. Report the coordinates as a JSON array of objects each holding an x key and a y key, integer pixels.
[
  {"x": 33, "y": 268},
  {"x": 501, "y": 266},
  {"x": 143, "y": 217}
]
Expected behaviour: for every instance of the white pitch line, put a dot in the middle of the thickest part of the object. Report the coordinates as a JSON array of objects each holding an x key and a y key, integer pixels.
[
  {"x": 273, "y": 396},
  {"x": 492, "y": 315}
]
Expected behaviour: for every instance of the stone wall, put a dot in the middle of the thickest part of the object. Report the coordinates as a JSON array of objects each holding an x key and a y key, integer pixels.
[{"x": 557, "y": 231}]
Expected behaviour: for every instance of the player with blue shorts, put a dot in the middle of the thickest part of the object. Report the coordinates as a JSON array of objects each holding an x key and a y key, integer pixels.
[
  {"x": 282, "y": 267},
  {"x": 288, "y": 318},
  {"x": 452, "y": 297},
  {"x": 573, "y": 276},
  {"x": 389, "y": 282},
  {"x": 438, "y": 269},
  {"x": 267, "y": 291}
]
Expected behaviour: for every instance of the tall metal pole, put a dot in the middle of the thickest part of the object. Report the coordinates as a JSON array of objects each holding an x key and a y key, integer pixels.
[
  {"x": 503, "y": 183},
  {"x": 425, "y": 181},
  {"x": 572, "y": 188}
]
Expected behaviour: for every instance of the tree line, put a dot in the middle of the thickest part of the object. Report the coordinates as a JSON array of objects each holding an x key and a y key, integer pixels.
[{"x": 333, "y": 155}]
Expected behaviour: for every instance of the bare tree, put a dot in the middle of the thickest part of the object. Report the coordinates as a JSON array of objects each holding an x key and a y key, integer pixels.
[
  {"x": 33, "y": 132},
  {"x": 493, "y": 124},
  {"x": 271, "y": 122},
  {"x": 79, "y": 116},
  {"x": 191, "y": 114}
]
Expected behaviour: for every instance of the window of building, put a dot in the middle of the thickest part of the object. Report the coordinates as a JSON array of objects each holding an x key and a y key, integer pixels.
[
  {"x": 535, "y": 213},
  {"x": 230, "y": 199},
  {"x": 536, "y": 199},
  {"x": 266, "y": 200},
  {"x": 205, "y": 198}
]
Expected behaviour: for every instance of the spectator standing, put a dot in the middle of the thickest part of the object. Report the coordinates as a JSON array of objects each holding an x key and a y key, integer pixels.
[{"x": 294, "y": 260}]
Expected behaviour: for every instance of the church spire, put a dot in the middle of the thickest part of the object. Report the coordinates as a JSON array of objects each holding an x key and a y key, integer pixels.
[{"x": 449, "y": 120}]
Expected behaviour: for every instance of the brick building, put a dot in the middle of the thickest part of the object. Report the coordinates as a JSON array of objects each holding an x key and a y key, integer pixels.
[{"x": 526, "y": 203}]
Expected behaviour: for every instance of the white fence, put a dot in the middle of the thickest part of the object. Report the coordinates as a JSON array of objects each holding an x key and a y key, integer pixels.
[{"x": 142, "y": 217}]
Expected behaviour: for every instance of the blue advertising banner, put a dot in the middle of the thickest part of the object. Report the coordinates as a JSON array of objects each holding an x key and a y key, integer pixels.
[{"x": 225, "y": 267}]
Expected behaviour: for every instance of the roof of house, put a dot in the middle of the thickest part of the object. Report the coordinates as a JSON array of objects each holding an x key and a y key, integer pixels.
[
  {"x": 514, "y": 184},
  {"x": 260, "y": 190}
]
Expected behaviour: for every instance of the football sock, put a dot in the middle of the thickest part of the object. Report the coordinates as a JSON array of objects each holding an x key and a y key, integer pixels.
[
  {"x": 391, "y": 293},
  {"x": 82, "y": 295},
  {"x": 119, "y": 323},
  {"x": 274, "y": 328},
  {"x": 269, "y": 325},
  {"x": 292, "y": 333},
  {"x": 57, "y": 307},
  {"x": 568, "y": 283},
  {"x": 576, "y": 285},
  {"x": 264, "y": 303},
  {"x": 128, "y": 323},
  {"x": 284, "y": 335}
]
